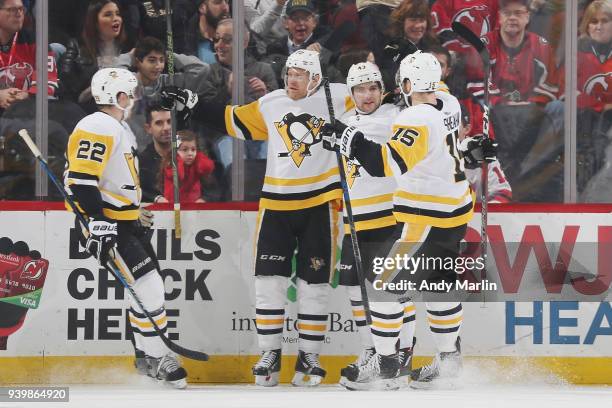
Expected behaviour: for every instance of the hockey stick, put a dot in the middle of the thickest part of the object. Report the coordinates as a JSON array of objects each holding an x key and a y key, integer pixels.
[
  {"x": 175, "y": 179},
  {"x": 465, "y": 33},
  {"x": 349, "y": 212},
  {"x": 287, "y": 154},
  {"x": 112, "y": 264}
]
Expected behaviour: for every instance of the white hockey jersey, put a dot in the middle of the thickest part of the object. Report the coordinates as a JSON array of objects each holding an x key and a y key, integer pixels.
[
  {"x": 423, "y": 156},
  {"x": 299, "y": 172},
  {"x": 371, "y": 197},
  {"x": 101, "y": 153},
  {"x": 499, "y": 190}
]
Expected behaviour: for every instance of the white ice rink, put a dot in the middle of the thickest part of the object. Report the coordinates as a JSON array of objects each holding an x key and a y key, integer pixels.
[{"x": 234, "y": 396}]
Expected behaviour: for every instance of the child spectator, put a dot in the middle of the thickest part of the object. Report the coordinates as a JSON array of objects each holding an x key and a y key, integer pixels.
[
  {"x": 148, "y": 60},
  {"x": 192, "y": 165}
]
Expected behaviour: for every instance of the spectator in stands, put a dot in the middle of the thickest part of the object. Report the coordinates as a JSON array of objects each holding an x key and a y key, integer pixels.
[
  {"x": 375, "y": 20},
  {"x": 148, "y": 59},
  {"x": 410, "y": 29},
  {"x": 192, "y": 165},
  {"x": 259, "y": 80},
  {"x": 151, "y": 20},
  {"x": 480, "y": 16},
  {"x": 101, "y": 43},
  {"x": 301, "y": 23},
  {"x": 525, "y": 90},
  {"x": 264, "y": 20},
  {"x": 594, "y": 93},
  {"x": 345, "y": 14},
  {"x": 304, "y": 32},
  {"x": 259, "y": 76},
  {"x": 595, "y": 58},
  {"x": 18, "y": 57},
  {"x": 159, "y": 126},
  {"x": 201, "y": 29}
]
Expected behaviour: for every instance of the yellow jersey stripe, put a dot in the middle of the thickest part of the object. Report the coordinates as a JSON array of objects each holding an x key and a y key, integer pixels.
[
  {"x": 360, "y": 202},
  {"x": 432, "y": 198},
  {"x": 147, "y": 324},
  {"x": 269, "y": 321},
  {"x": 289, "y": 205},
  {"x": 445, "y": 322},
  {"x": 246, "y": 119},
  {"x": 371, "y": 224},
  {"x": 121, "y": 215},
  {"x": 312, "y": 327},
  {"x": 274, "y": 181},
  {"x": 382, "y": 325},
  {"x": 434, "y": 221},
  {"x": 117, "y": 197}
]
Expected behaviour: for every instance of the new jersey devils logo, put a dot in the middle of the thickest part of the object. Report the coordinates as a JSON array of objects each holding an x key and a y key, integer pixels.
[
  {"x": 466, "y": 16},
  {"x": 18, "y": 75},
  {"x": 299, "y": 133},
  {"x": 33, "y": 270},
  {"x": 598, "y": 85}
]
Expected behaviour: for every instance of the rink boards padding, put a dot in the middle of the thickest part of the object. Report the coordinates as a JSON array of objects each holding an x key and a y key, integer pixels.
[{"x": 78, "y": 333}]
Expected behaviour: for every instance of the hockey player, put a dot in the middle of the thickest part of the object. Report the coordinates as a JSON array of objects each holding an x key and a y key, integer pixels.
[
  {"x": 432, "y": 205},
  {"x": 372, "y": 202},
  {"x": 298, "y": 207},
  {"x": 102, "y": 178}
]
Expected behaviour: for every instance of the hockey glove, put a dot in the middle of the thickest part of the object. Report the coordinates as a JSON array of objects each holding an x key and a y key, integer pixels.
[
  {"x": 183, "y": 99},
  {"x": 477, "y": 149},
  {"x": 102, "y": 239},
  {"x": 338, "y": 137},
  {"x": 145, "y": 217}
]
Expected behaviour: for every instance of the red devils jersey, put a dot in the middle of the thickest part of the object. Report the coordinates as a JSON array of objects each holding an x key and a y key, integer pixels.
[
  {"x": 594, "y": 77},
  {"x": 480, "y": 16},
  {"x": 18, "y": 65},
  {"x": 476, "y": 113},
  {"x": 528, "y": 74}
]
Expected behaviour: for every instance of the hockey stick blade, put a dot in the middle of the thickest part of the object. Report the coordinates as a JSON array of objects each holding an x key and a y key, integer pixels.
[
  {"x": 113, "y": 268},
  {"x": 471, "y": 38}
]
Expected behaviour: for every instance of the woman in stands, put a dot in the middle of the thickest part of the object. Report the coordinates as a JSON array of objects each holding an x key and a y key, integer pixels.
[{"x": 102, "y": 40}]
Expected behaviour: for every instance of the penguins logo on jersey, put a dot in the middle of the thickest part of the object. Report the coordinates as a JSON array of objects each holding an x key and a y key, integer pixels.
[
  {"x": 351, "y": 169},
  {"x": 299, "y": 133}
]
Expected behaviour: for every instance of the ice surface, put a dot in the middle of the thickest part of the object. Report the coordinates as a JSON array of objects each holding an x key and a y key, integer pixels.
[{"x": 149, "y": 395}]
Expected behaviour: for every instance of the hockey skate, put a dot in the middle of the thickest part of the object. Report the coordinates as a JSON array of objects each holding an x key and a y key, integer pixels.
[
  {"x": 308, "y": 371},
  {"x": 353, "y": 368},
  {"x": 267, "y": 369},
  {"x": 379, "y": 373},
  {"x": 168, "y": 370},
  {"x": 443, "y": 369}
]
